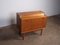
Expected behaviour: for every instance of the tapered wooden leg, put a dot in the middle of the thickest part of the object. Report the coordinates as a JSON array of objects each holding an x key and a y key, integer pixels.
[
  {"x": 22, "y": 35},
  {"x": 41, "y": 32}
]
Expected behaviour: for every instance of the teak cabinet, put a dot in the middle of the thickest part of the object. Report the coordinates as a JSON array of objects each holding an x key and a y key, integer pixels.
[{"x": 31, "y": 21}]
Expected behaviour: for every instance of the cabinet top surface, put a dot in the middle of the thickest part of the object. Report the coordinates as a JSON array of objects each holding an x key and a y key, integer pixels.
[{"x": 30, "y": 15}]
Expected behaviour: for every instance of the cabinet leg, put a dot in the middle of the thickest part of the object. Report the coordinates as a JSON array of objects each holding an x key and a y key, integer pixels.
[
  {"x": 22, "y": 35},
  {"x": 41, "y": 32}
]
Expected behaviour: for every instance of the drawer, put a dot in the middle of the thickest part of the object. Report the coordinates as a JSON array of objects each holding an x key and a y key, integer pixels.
[
  {"x": 26, "y": 25},
  {"x": 38, "y": 23}
]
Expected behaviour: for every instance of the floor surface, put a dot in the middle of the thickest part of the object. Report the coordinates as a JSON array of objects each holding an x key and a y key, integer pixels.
[{"x": 51, "y": 35}]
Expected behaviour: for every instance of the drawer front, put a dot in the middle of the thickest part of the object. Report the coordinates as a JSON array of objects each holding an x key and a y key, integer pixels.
[
  {"x": 29, "y": 25},
  {"x": 26, "y": 25},
  {"x": 38, "y": 23}
]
